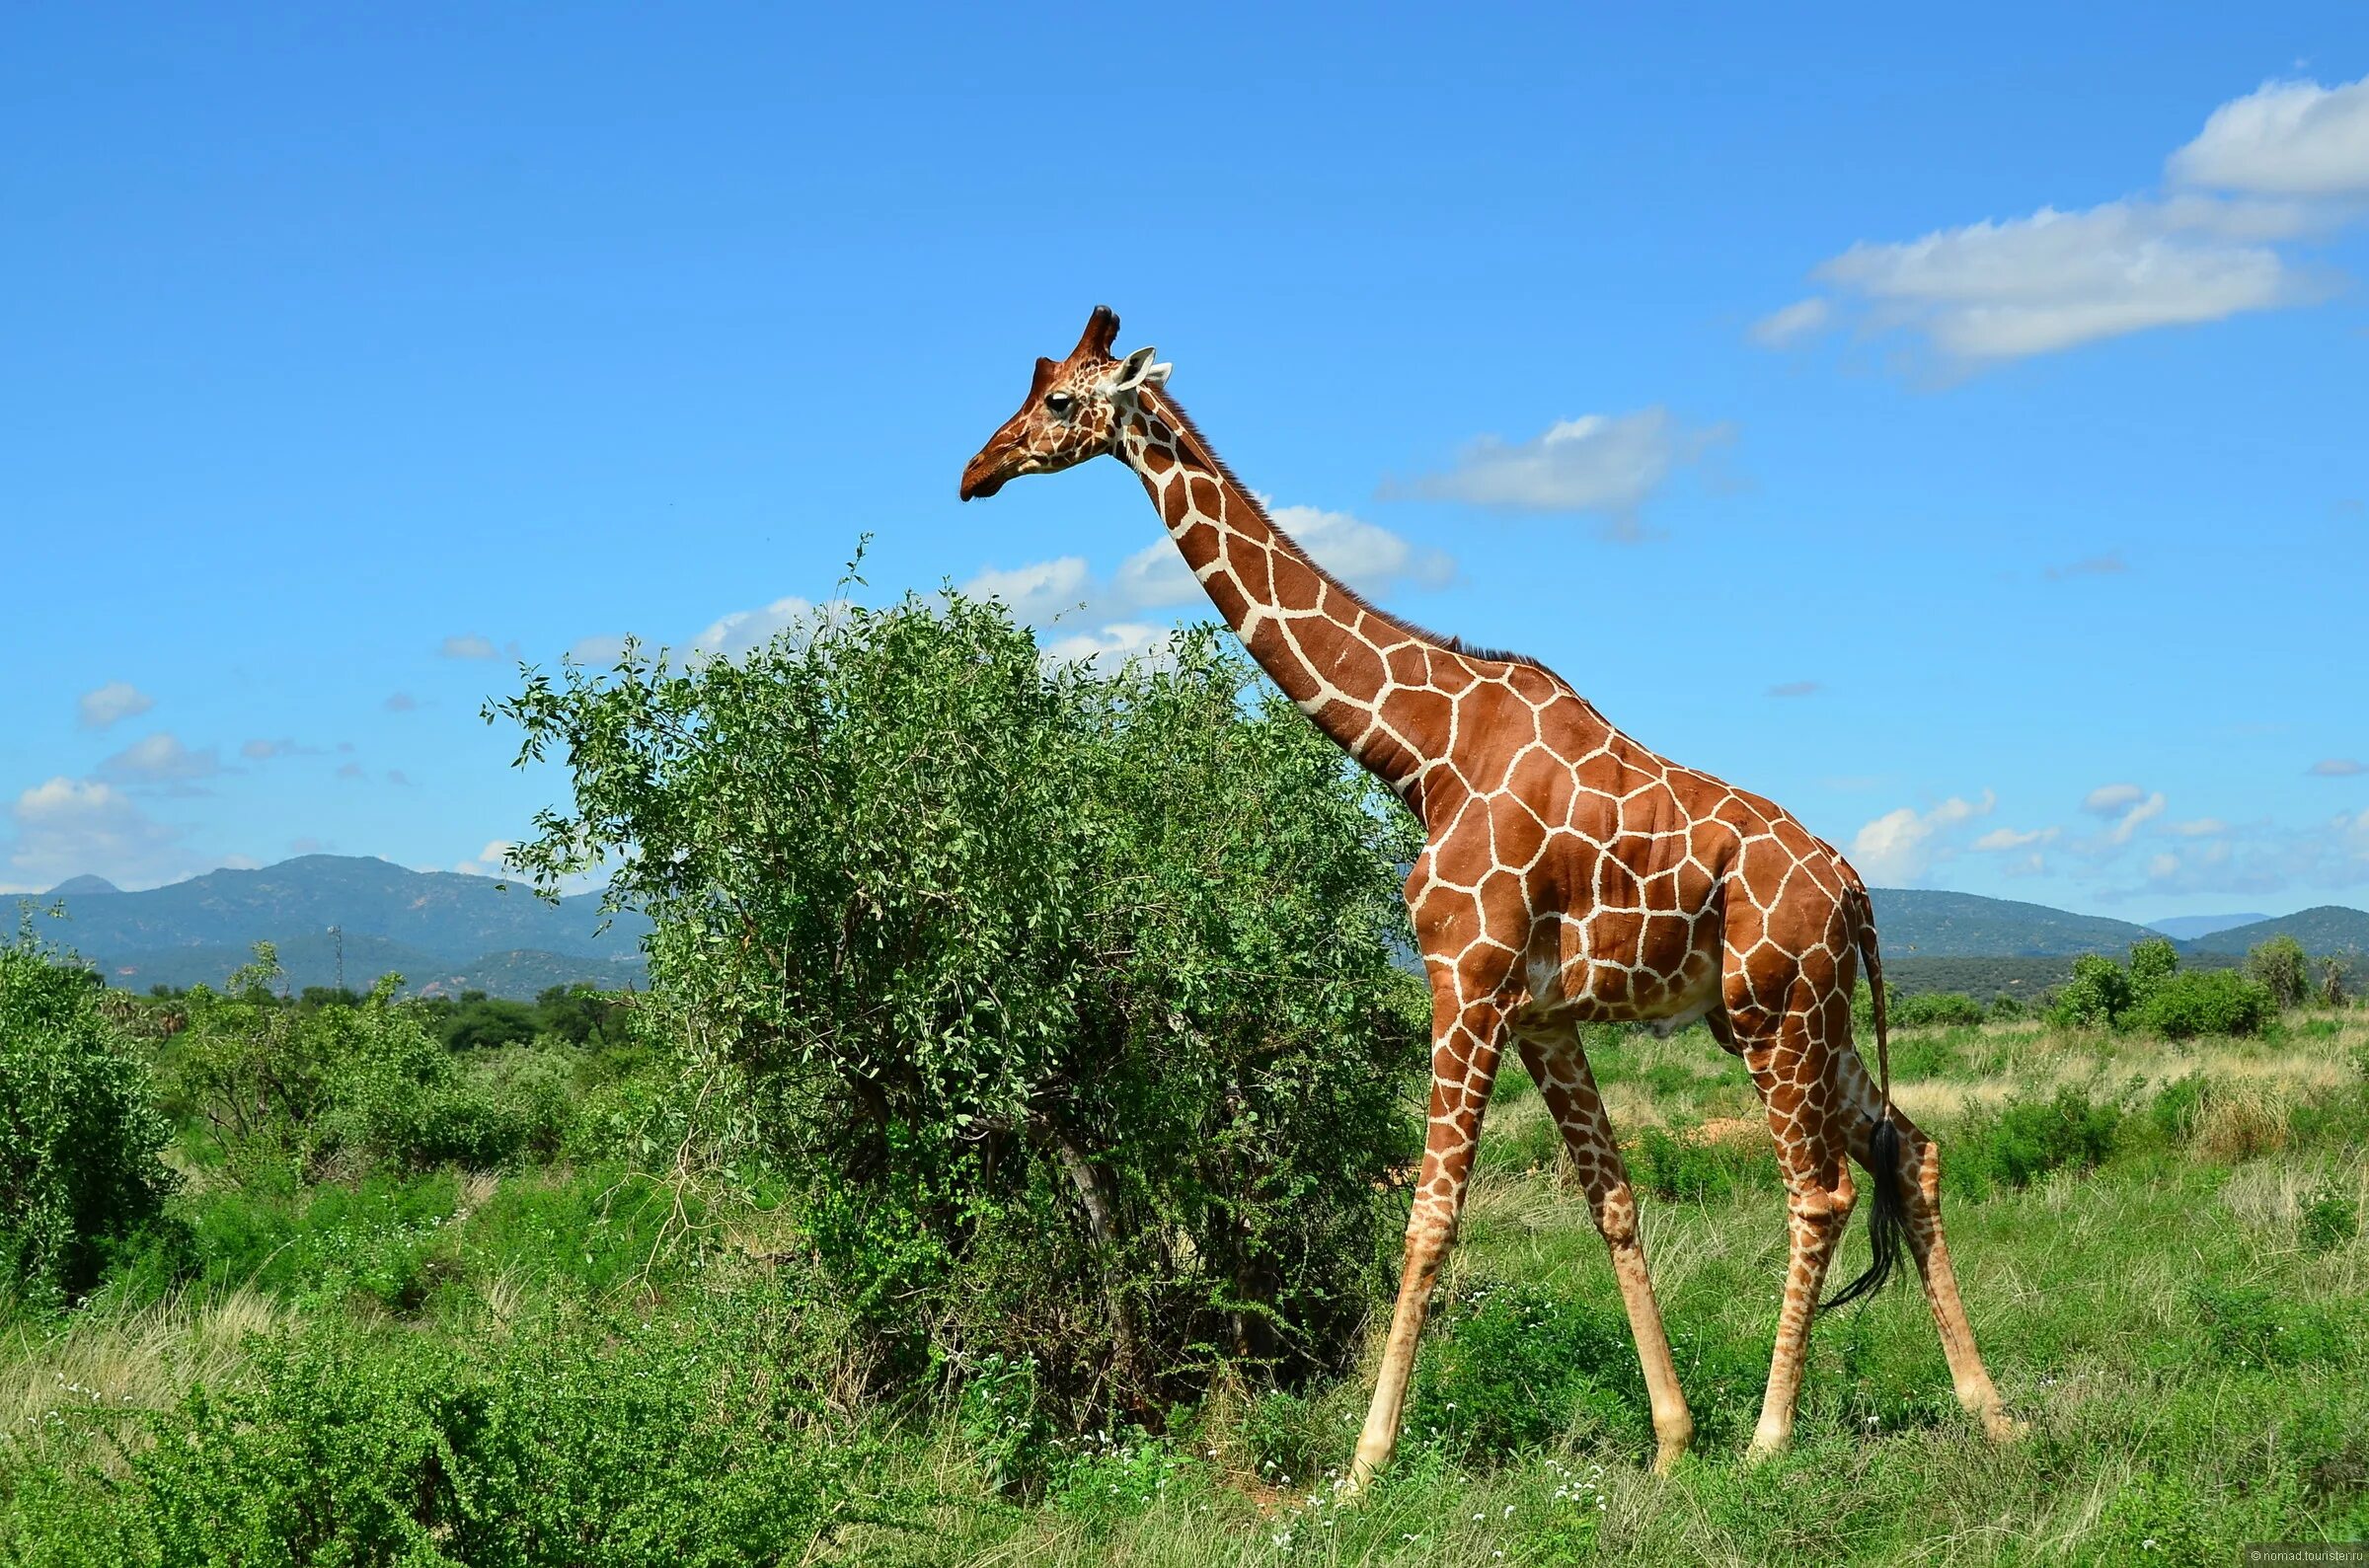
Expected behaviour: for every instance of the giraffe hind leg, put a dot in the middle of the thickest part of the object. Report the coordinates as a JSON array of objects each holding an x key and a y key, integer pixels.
[
  {"x": 1560, "y": 1066},
  {"x": 1788, "y": 1067},
  {"x": 1915, "y": 1173}
]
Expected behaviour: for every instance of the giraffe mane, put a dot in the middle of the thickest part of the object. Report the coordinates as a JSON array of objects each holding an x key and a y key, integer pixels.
[{"x": 1167, "y": 407}]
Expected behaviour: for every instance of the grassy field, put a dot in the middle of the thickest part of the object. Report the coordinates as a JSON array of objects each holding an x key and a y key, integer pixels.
[{"x": 2160, "y": 1247}]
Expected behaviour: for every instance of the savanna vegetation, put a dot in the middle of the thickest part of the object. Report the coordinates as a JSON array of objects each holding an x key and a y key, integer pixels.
[{"x": 1007, "y": 1164}]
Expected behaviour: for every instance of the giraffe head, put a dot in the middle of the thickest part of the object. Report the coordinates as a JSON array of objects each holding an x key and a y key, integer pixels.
[{"x": 1073, "y": 410}]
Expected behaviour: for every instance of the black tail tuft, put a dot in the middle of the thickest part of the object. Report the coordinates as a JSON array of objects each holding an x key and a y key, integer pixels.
[{"x": 1887, "y": 1215}]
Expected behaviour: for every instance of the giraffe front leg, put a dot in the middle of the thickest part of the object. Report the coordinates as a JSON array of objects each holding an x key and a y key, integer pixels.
[
  {"x": 1569, "y": 1087},
  {"x": 1466, "y": 1041}
]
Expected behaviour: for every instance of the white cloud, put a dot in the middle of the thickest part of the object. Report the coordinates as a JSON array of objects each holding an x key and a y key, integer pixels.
[
  {"x": 109, "y": 704},
  {"x": 2111, "y": 799},
  {"x": 2285, "y": 138},
  {"x": 2336, "y": 767},
  {"x": 2128, "y": 823},
  {"x": 745, "y": 630},
  {"x": 1086, "y": 615},
  {"x": 470, "y": 646},
  {"x": 599, "y": 649},
  {"x": 1368, "y": 557},
  {"x": 487, "y": 862},
  {"x": 2198, "y": 827},
  {"x": 2000, "y": 840},
  {"x": 2287, "y": 157},
  {"x": 1119, "y": 642},
  {"x": 2003, "y": 290},
  {"x": 160, "y": 759},
  {"x": 1607, "y": 464},
  {"x": 67, "y": 827},
  {"x": 1900, "y": 846},
  {"x": 401, "y": 703},
  {"x": 1801, "y": 320},
  {"x": 1039, "y": 591}
]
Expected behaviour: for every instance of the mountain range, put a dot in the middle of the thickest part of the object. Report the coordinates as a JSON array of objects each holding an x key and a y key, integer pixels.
[
  {"x": 446, "y": 931},
  {"x": 443, "y": 932}
]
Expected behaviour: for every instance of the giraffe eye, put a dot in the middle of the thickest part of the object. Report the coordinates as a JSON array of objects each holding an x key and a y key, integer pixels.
[{"x": 1059, "y": 405}]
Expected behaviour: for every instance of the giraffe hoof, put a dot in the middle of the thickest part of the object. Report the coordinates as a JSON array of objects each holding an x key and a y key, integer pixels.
[
  {"x": 1667, "y": 1457},
  {"x": 2002, "y": 1428},
  {"x": 1763, "y": 1450}
]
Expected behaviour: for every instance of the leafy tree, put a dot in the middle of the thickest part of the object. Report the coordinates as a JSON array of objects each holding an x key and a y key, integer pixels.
[
  {"x": 1069, "y": 997},
  {"x": 2279, "y": 967},
  {"x": 2331, "y": 983},
  {"x": 2208, "y": 1002},
  {"x": 2153, "y": 960},
  {"x": 80, "y": 1138},
  {"x": 2096, "y": 997}
]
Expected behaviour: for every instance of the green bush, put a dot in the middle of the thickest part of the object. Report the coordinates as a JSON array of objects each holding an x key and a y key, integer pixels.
[
  {"x": 285, "y": 1092},
  {"x": 1692, "y": 1170},
  {"x": 2152, "y": 962},
  {"x": 1936, "y": 1010},
  {"x": 79, "y": 1134},
  {"x": 2280, "y": 968},
  {"x": 2096, "y": 997},
  {"x": 579, "y": 1444},
  {"x": 1067, "y": 998},
  {"x": 2026, "y": 1139},
  {"x": 1513, "y": 1366},
  {"x": 2208, "y": 1002}
]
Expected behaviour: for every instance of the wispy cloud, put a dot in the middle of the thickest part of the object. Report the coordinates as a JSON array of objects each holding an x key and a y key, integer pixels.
[
  {"x": 1900, "y": 846},
  {"x": 401, "y": 703},
  {"x": 160, "y": 759},
  {"x": 469, "y": 645},
  {"x": 1794, "y": 323},
  {"x": 69, "y": 827},
  {"x": 1796, "y": 689},
  {"x": 2336, "y": 767},
  {"x": 2281, "y": 165},
  {"x": 110, "y": 704},
  {"x": 2110, "y": 565},
  {"x": 1605, "y": 465}
]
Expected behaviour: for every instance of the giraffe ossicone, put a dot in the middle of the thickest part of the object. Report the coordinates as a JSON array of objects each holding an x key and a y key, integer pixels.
[{"x": 1568, "y": 875}]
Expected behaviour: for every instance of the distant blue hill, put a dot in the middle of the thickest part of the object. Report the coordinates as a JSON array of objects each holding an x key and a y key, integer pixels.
[
  {"x": 439, "y": 930},
  {"x": 446, "y": 931},
  {"x": 2188, "y": 928}
]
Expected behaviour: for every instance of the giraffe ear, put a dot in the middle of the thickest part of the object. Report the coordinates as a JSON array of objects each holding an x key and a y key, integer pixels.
[{"x": 1137, "y": 371}]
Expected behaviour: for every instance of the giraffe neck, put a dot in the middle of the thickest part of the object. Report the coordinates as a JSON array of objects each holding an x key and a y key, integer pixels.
[{"x": 1361, "y": 676}]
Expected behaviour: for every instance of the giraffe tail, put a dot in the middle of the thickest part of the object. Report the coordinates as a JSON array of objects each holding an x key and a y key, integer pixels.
[{"x": 1887, "y": 1209}]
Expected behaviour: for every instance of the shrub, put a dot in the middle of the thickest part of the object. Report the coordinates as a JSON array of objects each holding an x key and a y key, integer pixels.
[
  {"x": 2096, "y": 997},
  {"x": 1691, "y": 1169},
  {"x": 2208, "y": 1002},
  {"x": 2279, "y": 967},
  {"x": 1513, "y": 1366},
  {"x": 79, "y": 1134},
  {"x": 2007, "y": 1008},
  {"x": 578, "y": 1444},
  {"x": 2026, "y": 1139},
  {"x": 1068, "y": 999},
  {"x": 2153, "y": 961},
  {"x": 1937, "y": 1009},
  {"x": 288, "y": 1091}
]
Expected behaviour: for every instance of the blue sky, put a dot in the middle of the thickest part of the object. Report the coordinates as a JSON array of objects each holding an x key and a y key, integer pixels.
[{"x": 1954, "y": 432}]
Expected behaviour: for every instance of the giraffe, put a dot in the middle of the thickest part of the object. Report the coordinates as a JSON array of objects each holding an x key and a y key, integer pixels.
[{"x": 1568, "y": 875}]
